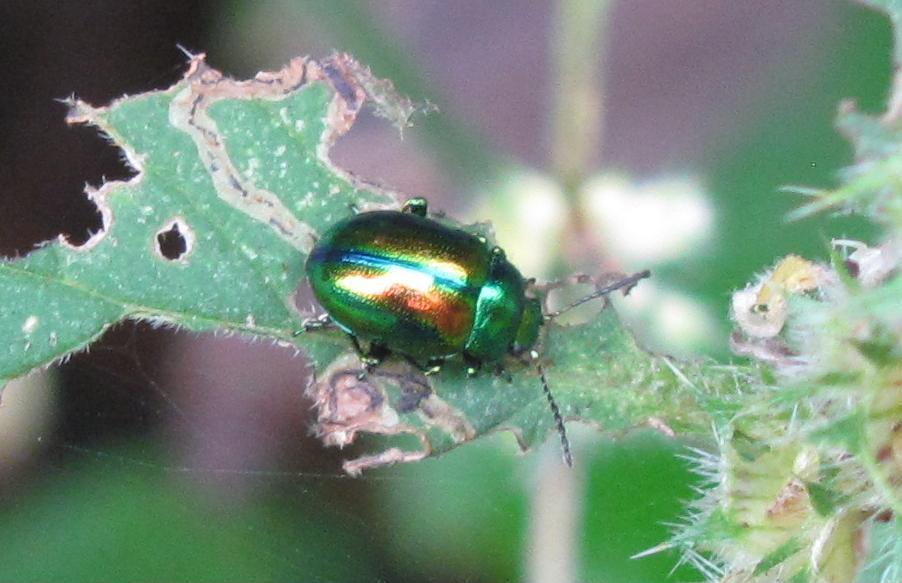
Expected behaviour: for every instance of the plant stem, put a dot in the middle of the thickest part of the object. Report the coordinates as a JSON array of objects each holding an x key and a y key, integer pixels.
[
  {"x": 577, "y": 119},
  {"x": 575, "y": 134},
  {"x": 555, "y": 519}
]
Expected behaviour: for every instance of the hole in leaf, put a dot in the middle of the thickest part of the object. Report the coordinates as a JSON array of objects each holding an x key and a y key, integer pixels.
[
  {"x": 174, "y": 241},
  {"x": 90, "y": 223}
]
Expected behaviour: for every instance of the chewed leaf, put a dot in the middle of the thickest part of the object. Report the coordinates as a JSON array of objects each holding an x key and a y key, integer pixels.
[
  {"x": 233, "y": 183},
  {"x": 597, "y": 373},
  {"x": 233, "y": 186}
]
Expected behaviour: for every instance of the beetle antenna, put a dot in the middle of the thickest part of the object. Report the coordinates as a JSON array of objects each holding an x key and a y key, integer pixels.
[
  {"x": 626, "y": 282},
  {"x": 556, "y": 412}
]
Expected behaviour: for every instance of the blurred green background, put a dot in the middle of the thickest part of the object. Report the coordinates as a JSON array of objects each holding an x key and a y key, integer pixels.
[{"x": 161, "y": 455}]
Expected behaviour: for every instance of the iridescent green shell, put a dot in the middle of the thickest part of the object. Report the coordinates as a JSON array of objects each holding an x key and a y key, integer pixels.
[{"x": 419, "y": 288}]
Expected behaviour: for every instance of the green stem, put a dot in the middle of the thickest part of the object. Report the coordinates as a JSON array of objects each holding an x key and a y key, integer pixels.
[
  {"x": 577, "y": 119},
  {"x": 555, "y": 517}
]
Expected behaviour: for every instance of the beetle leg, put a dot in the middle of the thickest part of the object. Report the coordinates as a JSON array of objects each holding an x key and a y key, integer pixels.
[
  {"x": 314, "y": 324},
  {"x": 370, "y": 358},
  {"x": 474, "y": 365},
  {"x": 434, "y": 366},
  {"x": 503, "y": 373},
  {"x": 416, "y": 206},
  {"x": 377, "y": 354},
  {"x": 357, "y": 348}
]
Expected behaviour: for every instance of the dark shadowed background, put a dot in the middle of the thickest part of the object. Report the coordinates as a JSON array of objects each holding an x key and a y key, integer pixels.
[{"x": 164, "y": 455}]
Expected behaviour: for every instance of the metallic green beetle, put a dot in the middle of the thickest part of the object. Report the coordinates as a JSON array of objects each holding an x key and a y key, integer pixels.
[
  {"x": 413, "y": 286},
  {"x": 410, "y": 285}
]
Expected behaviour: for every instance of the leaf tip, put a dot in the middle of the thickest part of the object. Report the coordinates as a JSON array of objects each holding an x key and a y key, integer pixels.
[{"x": 387, "y": 102}]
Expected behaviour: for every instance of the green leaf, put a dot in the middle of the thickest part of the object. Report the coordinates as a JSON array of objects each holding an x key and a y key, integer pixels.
[
  {"x": 824, "y": 499},
  {"x": 233, "y": 184},
  {"x": 239, "y": 170},
  {"x": 881, "y": 349},
  {"x": 748, "y": 447},
  {"x": 848, "y": 432},
  {"x": 803, "y": 576},
  {"x": 780, "y": 554},
  {"x": 841, "y": 268},
  {"x": 839, "y": 378},
  {"x": 596, "y": 372}
]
